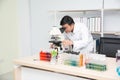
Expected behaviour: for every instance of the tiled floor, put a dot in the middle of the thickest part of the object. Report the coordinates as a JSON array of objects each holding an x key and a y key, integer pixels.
[{"x": 7, "y": 76}]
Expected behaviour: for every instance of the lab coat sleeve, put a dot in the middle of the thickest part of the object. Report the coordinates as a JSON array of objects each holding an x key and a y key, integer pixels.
[
  {"x": 65, "y": 36},
  {"x": 83, "y": 42}
]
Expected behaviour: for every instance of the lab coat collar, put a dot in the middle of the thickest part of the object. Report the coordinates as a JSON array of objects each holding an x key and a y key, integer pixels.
[{"x": 74, "y": 30}]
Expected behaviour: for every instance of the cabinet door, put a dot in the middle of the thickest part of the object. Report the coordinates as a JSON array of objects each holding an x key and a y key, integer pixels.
[{"x": 36, "y": 74}]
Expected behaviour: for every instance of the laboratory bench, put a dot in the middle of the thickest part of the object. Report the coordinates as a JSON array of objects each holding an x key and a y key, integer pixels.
[{"x": 31, "y": 68}]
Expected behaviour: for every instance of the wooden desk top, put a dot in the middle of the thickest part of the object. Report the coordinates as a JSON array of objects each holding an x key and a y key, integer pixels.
[{"x": 34, "y": 62}]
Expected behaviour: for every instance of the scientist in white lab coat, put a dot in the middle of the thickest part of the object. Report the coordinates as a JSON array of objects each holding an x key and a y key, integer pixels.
[{"x": 76, "y": 35}]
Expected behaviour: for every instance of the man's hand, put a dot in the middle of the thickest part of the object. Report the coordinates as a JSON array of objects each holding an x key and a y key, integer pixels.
[
  {"x": 67, "y": 42},
  {"x": 51, "y": 45}
]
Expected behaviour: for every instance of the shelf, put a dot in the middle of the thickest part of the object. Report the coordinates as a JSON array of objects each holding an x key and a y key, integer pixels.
[
  {"x": 84, "y": 10},
  {"x": 108, "y": 33},
  {"x": 80, "y": 10},
  {"x": 92, "y": 11},
  {"x": 96, "y": 32},
  {"x": 112, "y": 33},
  {"x": 117, "y": 33},
  {"x": 112, "y": 9}
]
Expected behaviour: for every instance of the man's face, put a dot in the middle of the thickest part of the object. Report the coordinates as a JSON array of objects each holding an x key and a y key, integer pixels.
[{"x": 68, "y": 28}]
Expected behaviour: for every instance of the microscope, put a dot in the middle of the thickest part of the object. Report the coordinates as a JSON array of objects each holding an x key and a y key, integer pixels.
[{"x": 56, "y": 38}]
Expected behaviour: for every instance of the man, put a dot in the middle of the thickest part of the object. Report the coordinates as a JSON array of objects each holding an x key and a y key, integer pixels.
[{"x": 76, "y": 35}]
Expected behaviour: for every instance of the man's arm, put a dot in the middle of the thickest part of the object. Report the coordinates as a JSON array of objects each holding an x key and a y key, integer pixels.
[{"x": 79, "y": 44}]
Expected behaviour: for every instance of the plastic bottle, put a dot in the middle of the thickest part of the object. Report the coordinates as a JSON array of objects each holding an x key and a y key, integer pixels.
[
  {"x": 53, "y": 56},
  {"x": 118, "y": 62},
  {"x": 81, "y": 60}
]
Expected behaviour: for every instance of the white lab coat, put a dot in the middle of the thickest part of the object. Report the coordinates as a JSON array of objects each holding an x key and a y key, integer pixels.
[{"x": 81, "y": 37}]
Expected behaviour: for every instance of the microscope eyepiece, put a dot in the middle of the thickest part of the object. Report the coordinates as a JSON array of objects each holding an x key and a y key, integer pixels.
[{"x": 62, "y": 29}]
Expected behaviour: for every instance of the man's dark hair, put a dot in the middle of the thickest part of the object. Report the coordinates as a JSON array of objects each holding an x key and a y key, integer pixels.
[{"x": 67, "y": 20}]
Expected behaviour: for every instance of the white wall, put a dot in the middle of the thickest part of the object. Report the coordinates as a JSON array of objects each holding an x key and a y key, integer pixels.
[
  {"x": 8, "y": 35},
  {"x": 112, "y": 18},
  {"x": 112, "y": 21},
  {"x": 24, "y": 31},
  {"x": 112, "y": 3},
  {"x": 14, "y": 32}
]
